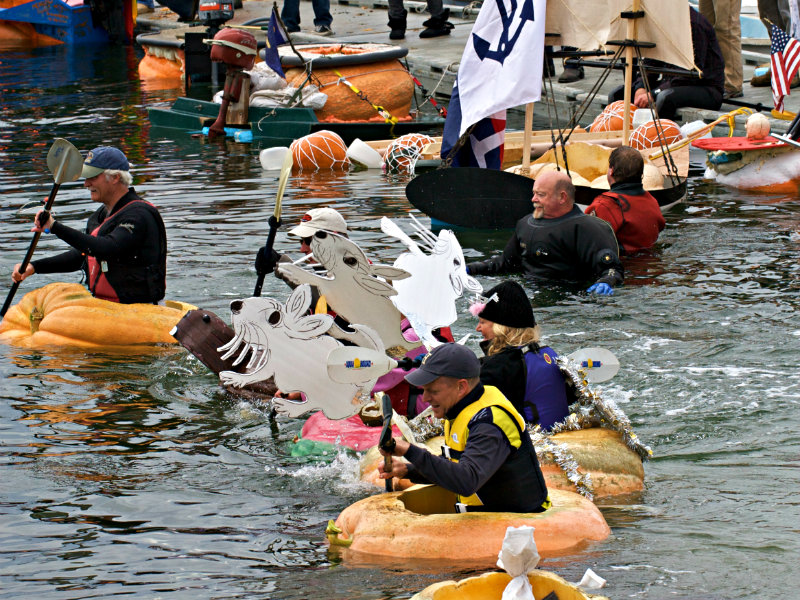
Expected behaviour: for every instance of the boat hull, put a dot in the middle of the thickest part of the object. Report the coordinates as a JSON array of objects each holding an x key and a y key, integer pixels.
[{"x": 420, "y": 523}]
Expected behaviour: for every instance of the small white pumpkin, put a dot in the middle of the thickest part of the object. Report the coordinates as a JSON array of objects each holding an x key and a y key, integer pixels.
[{"x": 757, "y": 127}]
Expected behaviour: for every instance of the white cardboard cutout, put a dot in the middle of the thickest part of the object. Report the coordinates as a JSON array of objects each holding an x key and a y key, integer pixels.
[
  {"x": 352, "y": 288},
  {"x": 286, "y": 342},
  {"x": 428, "y": 297}
]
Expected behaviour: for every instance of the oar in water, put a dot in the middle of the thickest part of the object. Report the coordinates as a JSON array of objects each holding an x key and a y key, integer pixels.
[
  {"x": 274, "y": 220},
  {"x": 65, "y": 163},
  {"x": 386, "y": 442},
  {"x": 353, "y": 364}
]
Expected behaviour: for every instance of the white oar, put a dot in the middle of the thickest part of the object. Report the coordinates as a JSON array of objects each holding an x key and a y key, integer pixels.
[{"x": 600, "y": 364}]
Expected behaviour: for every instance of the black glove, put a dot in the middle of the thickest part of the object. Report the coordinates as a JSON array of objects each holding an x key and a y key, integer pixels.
[{"x": 266, "y": 264}]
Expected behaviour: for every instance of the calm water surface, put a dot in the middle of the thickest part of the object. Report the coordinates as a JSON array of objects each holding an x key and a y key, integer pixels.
[{"x": 136, "y": 476}]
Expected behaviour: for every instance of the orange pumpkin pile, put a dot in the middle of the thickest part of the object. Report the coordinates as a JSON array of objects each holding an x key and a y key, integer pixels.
[
  {"x": 611, "y": 117},
  {"x": 647, "y": 135}
]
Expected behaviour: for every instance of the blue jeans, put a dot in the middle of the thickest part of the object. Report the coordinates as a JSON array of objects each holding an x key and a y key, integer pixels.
[{"x": 290, "y": 13}]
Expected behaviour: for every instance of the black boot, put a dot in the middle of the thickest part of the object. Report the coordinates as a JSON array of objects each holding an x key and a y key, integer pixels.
[
  {"x": 398, "y": 27},
  {"x": 436, "y": 26}
]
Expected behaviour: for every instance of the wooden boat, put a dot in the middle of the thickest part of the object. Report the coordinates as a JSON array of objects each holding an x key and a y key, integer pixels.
[
  {"x": 66, "y": 314},
  {"x": 613, "y": 467},
  {"x": 454, "y": 197},
  {"x": 421, "y": 523},
  {"x": 770, "y": 165},
  {"x": 48, "y": 22},
  {"x": 490, "y": 586}
]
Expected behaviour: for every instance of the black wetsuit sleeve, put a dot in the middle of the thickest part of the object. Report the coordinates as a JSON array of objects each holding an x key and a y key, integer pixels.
[
  {"x": 129, "y": 235},
  {"x": 66, "y": 262},
  {"x": 599, "y": 249},
  {"x": 486, "y": 450},
  {"x": 509, "y": 261}
]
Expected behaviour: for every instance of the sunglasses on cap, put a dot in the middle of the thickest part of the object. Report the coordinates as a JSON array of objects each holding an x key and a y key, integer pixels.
[{"x": 319, "y": 234}]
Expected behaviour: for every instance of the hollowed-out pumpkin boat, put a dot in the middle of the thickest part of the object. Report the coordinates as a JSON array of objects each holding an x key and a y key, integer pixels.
[
  {"x": 490, "y": 586},
  {"x": 374, "y": 70},
  {"x": 421, "y": 523},
  {"x": 66, "y": 314}
]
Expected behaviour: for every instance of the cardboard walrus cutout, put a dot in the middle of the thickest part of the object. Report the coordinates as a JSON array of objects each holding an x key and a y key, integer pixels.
[
  {"x": 287, "y": 342},
  {"x": 352, "y": 288}
]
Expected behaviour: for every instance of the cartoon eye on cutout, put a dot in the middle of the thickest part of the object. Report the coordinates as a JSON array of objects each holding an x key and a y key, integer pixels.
[
  {"x": 456, "y": 262},
  {"x": 350, "y": 261},
  {"x": 274, "y": 318},
  {"x": 321, "y": 234}
]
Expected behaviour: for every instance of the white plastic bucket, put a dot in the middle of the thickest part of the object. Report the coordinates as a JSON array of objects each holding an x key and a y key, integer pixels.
[
  {"x": 641, "y": 116},
  {"x": 365, "y": 155},
  {"x": 272, "y": 158}
]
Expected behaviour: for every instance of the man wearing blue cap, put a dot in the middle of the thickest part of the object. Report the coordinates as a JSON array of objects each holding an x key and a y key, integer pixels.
[
  {"x": 488, "y": 460},
  {"x": 124, "y": 250}
]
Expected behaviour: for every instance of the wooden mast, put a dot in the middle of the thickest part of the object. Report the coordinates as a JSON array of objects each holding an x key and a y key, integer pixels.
[{"x": 632, "y": 34}]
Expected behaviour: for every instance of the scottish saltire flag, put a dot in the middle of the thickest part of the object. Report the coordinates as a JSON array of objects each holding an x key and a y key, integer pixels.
[
  {"x": 785, "y": 60},
  {"x": 275, "y": 37},
  {"x": 501, "y": 67},
  {"x": 484, "y": 148}
]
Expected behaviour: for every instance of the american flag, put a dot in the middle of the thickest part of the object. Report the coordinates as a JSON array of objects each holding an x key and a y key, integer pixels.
[{"x": 785, "y": 58}]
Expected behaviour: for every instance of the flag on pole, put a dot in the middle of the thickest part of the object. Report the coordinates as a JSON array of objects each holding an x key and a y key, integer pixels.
[
  {"x": 484, "y": 148},
  {"x": 785, "y": 60},
  {"x": 501, "y": 67},
  {"x": 275, "y": 37}
]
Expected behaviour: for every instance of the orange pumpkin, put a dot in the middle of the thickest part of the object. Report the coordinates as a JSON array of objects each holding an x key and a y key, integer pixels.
[
  {"x": 66, "y": 314},
  {"x": 385, "y": 83},
  {"x": 611, "y": 117},
  {"x": 614, "y": 468},
  {"x": 320, "y": 150},
  {"x": 490, "y": 586},
  {"x": 419, "y": 523},
  {"x": 647, "y": 134}
]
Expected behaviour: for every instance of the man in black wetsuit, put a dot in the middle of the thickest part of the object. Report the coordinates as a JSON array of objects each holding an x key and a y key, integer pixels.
[
  {"x": 124, "y": 250},
  {"x": 558, "y": 242},
  {"x": 489, "y": 461}
]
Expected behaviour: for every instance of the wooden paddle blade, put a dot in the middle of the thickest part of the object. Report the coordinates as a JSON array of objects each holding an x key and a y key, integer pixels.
[
  {"x": 353, "y": 364},
  {"x": 600, "y": 364},
  {"x": 472, "y": 197},
  {"x": 286, "y": 169},
  {"x": 64, "y": 161}
]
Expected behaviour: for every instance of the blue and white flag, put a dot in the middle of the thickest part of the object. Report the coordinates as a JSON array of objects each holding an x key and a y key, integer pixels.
[
  {"x": 501, "y": 67},
  {"x": 275, "y": 37}
]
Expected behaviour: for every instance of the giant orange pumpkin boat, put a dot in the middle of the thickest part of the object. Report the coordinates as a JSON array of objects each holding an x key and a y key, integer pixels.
[{"x": 66, "y": 314}]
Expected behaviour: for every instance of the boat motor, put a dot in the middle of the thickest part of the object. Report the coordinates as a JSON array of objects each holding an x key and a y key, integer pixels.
[
  {"x": 236, "y": 49},
  {"x": 215, "y": 13}
]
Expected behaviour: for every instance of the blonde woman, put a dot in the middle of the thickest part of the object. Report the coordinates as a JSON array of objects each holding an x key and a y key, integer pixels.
[{"x": 514, "y": 362}]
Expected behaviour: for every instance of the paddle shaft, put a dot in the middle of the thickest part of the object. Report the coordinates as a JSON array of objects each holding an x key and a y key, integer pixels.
[
  {"x": 31, "y": 249},
  {"x": 274, "y": 223}
]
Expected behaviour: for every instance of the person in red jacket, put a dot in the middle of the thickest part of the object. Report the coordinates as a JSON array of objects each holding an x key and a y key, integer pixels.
[{"x": 632, "y": 212}]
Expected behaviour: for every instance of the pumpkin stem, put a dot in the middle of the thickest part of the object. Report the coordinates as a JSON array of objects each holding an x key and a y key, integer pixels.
[{"x": 36, "y": 317}]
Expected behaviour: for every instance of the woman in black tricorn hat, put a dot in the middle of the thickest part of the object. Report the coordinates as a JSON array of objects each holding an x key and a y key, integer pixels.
[{"x": 525, "y": 372}]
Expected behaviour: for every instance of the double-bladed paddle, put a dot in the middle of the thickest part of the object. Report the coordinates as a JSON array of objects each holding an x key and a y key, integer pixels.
[
  {"x": 353, "y": 364},
  {"x": 274, "y": 220},
  {"x": 65, "y": 163}
]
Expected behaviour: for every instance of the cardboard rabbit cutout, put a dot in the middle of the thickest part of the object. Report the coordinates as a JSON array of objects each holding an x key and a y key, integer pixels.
[
  {"x": 428, "y": 297},
  {"x": 352, "y": 288},
  {"x": 286, "y": 342}
]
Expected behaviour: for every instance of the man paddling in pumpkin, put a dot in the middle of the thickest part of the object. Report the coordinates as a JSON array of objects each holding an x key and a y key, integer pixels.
[
  {"x": 489, "y": 460},
  {"x": 124, "y": 249}
]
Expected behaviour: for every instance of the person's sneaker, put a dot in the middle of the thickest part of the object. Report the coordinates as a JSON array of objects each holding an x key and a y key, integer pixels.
[
  {"x": 323, "y": 30},
  {"x": 571, "y": 75}
]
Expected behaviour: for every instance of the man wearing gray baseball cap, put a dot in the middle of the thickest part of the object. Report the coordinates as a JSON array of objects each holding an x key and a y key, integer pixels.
[
  {"x": 123, "y": 251},
  {"x": 488, "y": 459}
]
